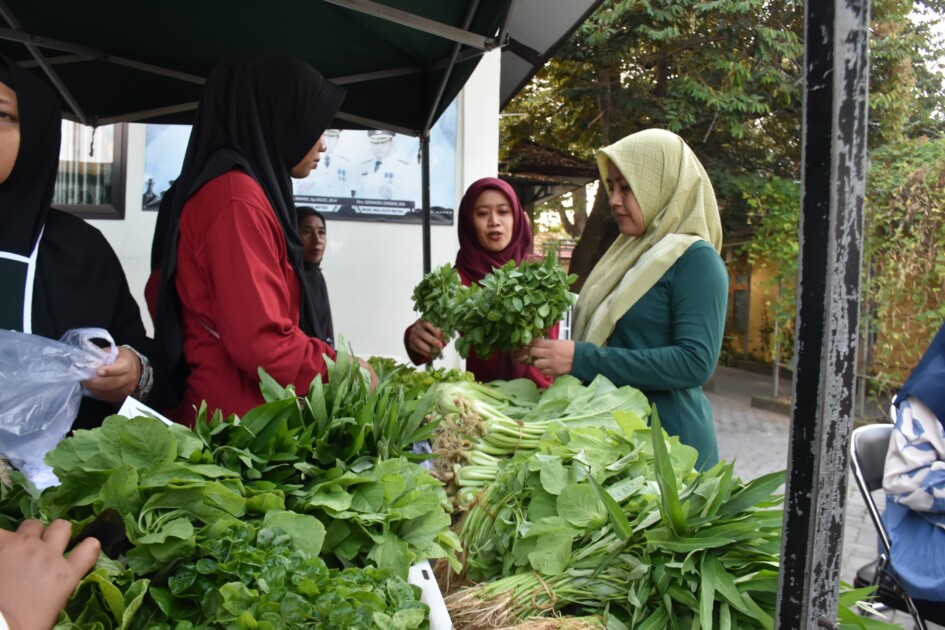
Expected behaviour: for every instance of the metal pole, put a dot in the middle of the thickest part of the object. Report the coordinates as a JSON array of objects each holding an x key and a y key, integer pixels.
[
  {"x": 425, "y": 185},
  {"x": 834, "y": 180},
  {"x": 776, "y": 358}
]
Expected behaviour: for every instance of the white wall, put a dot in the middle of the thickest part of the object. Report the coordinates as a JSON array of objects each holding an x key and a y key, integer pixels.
[
  {"x": 371, "y": 268},
  {"x": 131, "y": 238}
]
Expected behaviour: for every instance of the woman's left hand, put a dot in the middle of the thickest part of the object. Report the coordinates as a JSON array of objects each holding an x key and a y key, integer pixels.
[
  {"x": 117, "y": 381},
  {"x": 552, "y": 357}
]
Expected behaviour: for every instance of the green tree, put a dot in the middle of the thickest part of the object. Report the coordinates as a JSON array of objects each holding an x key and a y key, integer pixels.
[
  {"x": 905, "y": 91},
  {"x": 723, "y": 74}
]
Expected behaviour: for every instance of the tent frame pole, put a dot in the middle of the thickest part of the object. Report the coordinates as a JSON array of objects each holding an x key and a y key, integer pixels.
[{"x": 834, "y": 149}]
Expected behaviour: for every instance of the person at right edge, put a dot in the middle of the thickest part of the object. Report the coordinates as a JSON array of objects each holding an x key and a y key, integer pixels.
[
  {"x": 652, "y": 312},
  {"x": 914, "y": 478}
]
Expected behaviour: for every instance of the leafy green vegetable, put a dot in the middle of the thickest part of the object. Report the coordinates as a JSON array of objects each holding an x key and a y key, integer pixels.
[
  {"x": 512, "y": 306},
  {"x": 436, "y": 296},
  {"x": 579, "y": 528},
  {"x": 291, "y": 484},
  {"x": 413, "y": 382},
  {"x": 252, "y": 575},
  {"x": 480, "y": 425},
  {"x": 507, "y": 309}
]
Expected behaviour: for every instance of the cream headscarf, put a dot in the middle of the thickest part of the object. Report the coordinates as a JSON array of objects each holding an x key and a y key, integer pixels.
[{"x": 679, "y": 208}]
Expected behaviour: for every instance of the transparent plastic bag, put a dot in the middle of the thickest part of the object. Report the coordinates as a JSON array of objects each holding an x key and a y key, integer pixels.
[{"x": 40, "y": 392}]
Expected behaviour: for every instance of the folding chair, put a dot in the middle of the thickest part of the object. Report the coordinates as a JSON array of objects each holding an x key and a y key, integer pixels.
[{"x": 868, "y": 448}]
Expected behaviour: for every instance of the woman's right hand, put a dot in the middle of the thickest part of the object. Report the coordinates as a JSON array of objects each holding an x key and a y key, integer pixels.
[{"x": 425, "y": 339}]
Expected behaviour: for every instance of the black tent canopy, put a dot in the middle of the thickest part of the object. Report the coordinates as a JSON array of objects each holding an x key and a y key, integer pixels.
[{"x": 402, "y": 61}]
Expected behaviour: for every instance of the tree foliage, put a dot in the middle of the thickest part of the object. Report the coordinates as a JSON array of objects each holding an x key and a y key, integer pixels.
[
  {"x": 724, "y": 74},
  {"x": 904, "y": 253}
]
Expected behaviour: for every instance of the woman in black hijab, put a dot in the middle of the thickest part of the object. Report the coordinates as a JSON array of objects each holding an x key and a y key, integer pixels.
[
  {"x": 314, "y": 234},
  {"x": 56, "y": 271},
  {"x": 229, "y": 298}
]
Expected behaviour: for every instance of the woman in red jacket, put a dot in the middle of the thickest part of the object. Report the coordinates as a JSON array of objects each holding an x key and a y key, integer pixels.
[
  {"x": 493, "y": 229},
  {"x": 230, "y": 300}
]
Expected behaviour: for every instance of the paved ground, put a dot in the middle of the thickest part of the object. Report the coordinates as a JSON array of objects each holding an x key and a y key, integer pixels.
[{"x": 757, "y": 441}]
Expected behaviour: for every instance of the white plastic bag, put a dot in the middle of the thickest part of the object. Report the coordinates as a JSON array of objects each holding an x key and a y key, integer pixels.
[{"x": 40, "y": 392}]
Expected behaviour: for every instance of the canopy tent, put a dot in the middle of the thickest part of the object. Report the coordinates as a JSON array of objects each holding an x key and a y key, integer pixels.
[
  {"x": 146, "y": 61},
  {"x": 402, "y": 62}
]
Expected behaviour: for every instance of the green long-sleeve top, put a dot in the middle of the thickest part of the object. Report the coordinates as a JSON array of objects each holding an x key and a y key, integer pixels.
[{"x": 667, "y": 345}]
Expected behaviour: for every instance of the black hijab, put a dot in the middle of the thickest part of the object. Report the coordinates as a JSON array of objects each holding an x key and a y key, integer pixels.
[
  {"x": 314, "y": 280},
  {"x": 78, "y": 281},
  {"x": 25, "y": 196},
  {"x": 261, "y": 114}
]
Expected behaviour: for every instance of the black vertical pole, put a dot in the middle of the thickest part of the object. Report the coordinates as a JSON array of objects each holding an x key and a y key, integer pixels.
[
  {"x": 425, "y": 184},
  {"x": 833, "y": 184}
]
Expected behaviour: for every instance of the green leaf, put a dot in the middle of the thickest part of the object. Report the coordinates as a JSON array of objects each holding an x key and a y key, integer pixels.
[
  {"x": 581, "y": 506},
  {"x": 307, "y": 532},
  {"x": 552, "y": 473},
  {"x": 666, "y": 478},
  {"x": 706, "y": 591}
]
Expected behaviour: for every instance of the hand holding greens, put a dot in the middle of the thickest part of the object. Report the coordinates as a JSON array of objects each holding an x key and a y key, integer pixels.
[
  {"x": 512, "y": 306},
  {"x": 507, "y": 310},
  {"x": 435, "y": 299}
]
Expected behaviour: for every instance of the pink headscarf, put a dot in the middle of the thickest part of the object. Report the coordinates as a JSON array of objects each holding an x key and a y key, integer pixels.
[{"x": 473, "y": 260}]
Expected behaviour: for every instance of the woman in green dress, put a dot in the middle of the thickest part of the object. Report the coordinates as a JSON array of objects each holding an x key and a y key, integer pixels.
[{"x": 652, "y": 312}]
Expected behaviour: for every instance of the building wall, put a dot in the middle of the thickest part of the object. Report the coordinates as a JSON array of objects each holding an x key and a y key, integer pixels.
[
  {"x": 750, "y": 341},
  {"x": 371, "y": 268}
]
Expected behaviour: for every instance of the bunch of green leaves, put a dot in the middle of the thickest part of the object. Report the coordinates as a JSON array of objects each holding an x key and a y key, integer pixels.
[
  {"x": 512, "y": 306},
  {"x": 348, "y": 466},
  {"x": 600, "y": 521},
  {"x": 435, "y": 298},
  {"x": 19, "y": 499},
  {"x": 335, "y": 423},
  {"x": 270, "y": 576},
  {"x": 391, "y": 513},
  {"x": 168, "y": 482},
  {"x": 160, "y": 480},
  {"x": 415, "y": 383},
  {"x": 259, "y": 574},
  {"x": 480, "y": 425}
]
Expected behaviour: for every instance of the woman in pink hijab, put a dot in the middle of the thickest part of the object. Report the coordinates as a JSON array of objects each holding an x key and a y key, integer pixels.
[{"x": 493, "y": 229}]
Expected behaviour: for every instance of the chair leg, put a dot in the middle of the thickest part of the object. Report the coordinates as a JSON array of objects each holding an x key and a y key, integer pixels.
[{"x": 919, "y": 621}]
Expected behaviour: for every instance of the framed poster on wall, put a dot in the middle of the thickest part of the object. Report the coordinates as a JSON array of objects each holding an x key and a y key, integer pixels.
[{"x": 371, "y": 175}]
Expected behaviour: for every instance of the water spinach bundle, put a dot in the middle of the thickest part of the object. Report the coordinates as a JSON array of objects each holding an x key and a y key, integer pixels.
[
  {"x": 480, "y": 426},
  {"x": 506, "y": 310},
  {"x": 620, "y": 525}
]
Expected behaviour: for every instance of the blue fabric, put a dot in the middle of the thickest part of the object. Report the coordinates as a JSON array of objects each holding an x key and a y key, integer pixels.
[
  {"x": 918, "y": 552},
  {"x": 927, "y": 381}
]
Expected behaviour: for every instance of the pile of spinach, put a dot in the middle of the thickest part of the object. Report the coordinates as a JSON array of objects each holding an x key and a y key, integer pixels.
[
  {"x": 247, "y": 575},
  {"x": 321, "y": 484},
  {"x": 506, "y": 310}
]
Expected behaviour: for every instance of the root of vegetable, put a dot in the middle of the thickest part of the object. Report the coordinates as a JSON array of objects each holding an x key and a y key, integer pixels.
[{"x": 469, "y": 611}]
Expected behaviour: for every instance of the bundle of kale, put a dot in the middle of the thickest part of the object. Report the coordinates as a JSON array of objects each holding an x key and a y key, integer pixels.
[{"x": 507, "y": 309}]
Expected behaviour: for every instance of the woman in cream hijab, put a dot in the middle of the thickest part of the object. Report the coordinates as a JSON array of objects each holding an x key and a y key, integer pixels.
[{"x": 652, "y": 312}]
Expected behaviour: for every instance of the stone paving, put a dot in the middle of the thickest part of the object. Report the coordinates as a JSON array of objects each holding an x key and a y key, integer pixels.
[{"x": 757, "y": 441}]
